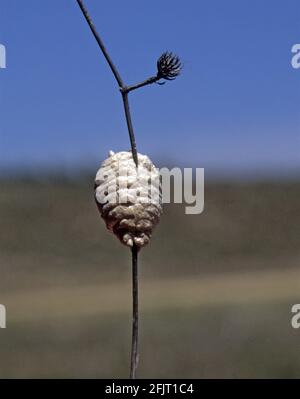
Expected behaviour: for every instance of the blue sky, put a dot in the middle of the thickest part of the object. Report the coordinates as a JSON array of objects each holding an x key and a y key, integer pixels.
[{"x": 235, "y": 109}]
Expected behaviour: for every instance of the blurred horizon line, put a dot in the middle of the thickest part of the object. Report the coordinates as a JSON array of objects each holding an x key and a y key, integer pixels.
[{"x": 214, "y": 174}]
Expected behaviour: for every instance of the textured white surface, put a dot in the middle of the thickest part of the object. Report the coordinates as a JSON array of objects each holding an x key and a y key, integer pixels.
[{"x": 129, "y": 198}]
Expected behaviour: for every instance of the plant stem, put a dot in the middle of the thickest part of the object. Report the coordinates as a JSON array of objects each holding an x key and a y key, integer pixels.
[
  {"x": 117, "y": 77},
  {"x": 146, "y": 82},
  {"x": 124, "y": 92},
  {"x": 130, "y": 127},
  {"x": 135, "y": 313},
  {"x": 100, "y": 43}
]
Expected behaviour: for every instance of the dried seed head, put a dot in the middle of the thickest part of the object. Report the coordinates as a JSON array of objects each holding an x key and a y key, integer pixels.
[
  {"x": 168, "y": 66},
  {"x": 129, "y": 198}
]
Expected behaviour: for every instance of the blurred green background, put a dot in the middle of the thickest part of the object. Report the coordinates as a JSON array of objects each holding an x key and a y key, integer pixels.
[{"x": 216, "y": 289}]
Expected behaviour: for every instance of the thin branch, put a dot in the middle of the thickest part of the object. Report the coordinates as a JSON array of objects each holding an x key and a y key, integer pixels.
[
  {"x": 135, "y": 318},
  {"x": 130, "y": 127},
  {"x": 146, "y": 82},
  {"x": 100, "y": 43},
  {"x": 118, "y": 79},
  {"x": 135, "y": 314}
]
